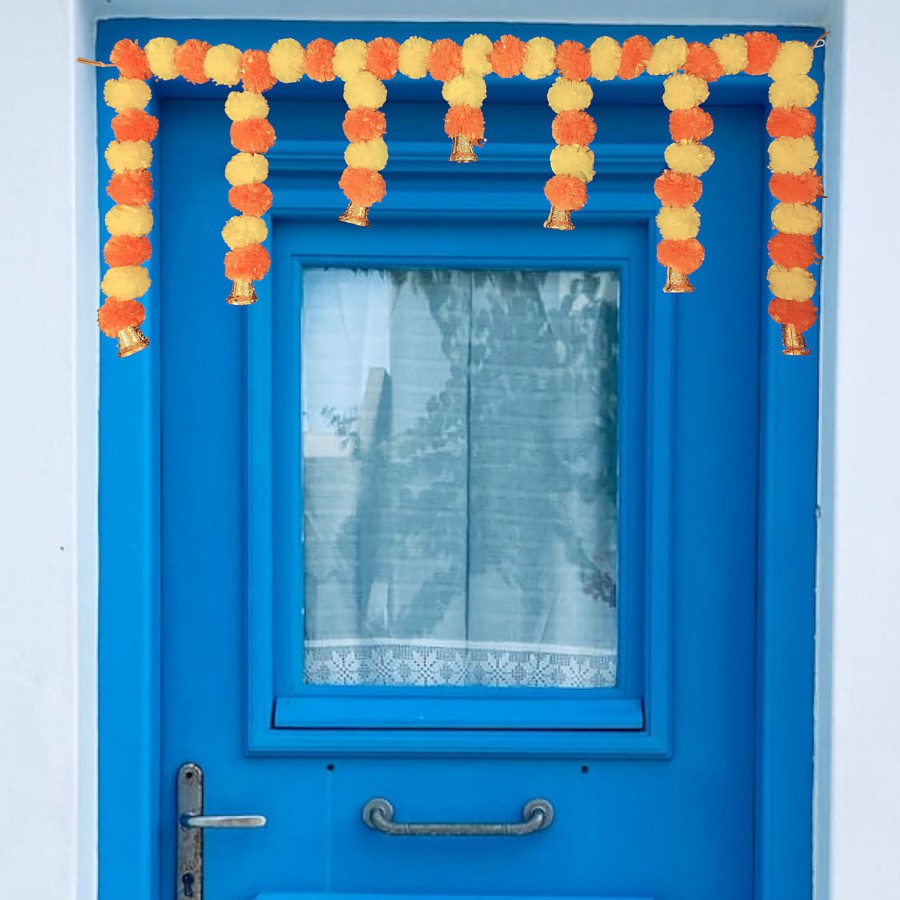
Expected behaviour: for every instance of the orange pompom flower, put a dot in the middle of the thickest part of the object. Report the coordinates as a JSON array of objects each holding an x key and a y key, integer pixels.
[
  {"x": 683, "y": 256},
  {"x": 445, "y": 60},
  {"x": 257, "y": 75},
  {"x": 805, "y": 188},
  {"x": 364, "y": 124},
  {"x": 466, "y": 121},
  {"x": 693, "y": 124},
  {"x": 250, "y": 199},
  {"x": 135, "y": 125},
  {"x": 362, "y": 187},
  {"x": 252, "y": 135},
  {"x": 574, "y": 126},
  {"x": 130, "y": 60},
  {"x": 508, "y": 56},
  {"x": 573, "y": 61},
  {"x": 320, "y": 60},
  {"x": 133, "y": 188},
  {"x": 247, "y": 263},
  {"x": 125, "y": 250},
  {"x": 793, "y": 251},
  {"x": 116, "y": 315},
  {"x": 762, "y": 48},
  {"x": 799, "y": 313},
  {"x": 566, "y": 192},
  {"x": 677, "y": 189},
  {"x": 791, "y": 121},
  {"x": 382, "y": 56},
  {"x": 189, "y": 58},
  {"x": 635, "y": 55},
  {"x": 703, "y": 62}
]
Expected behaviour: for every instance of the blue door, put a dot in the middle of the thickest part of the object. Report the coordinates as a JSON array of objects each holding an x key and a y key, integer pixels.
[{"x": 462, "y": 523}]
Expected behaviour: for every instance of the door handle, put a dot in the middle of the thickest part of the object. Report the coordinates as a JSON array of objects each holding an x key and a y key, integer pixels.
[
  {"x": 192, "y": 822},
  {"x": 537, "y": 815}
]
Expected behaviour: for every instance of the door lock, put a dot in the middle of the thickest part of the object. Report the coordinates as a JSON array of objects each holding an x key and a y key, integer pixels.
[{"x": 191, "y": 824}]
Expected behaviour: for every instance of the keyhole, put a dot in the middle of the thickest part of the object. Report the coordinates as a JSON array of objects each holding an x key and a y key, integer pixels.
[{"x": 187, "y": 880}]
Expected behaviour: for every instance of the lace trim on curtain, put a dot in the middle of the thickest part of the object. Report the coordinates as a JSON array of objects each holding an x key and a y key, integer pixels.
[{"x": 424, "y": 663}]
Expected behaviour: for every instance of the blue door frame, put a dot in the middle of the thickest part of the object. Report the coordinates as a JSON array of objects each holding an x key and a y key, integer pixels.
[{"x": 130, "y": 542}]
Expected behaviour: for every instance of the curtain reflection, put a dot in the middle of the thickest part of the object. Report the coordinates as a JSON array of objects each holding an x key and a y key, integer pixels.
[{"x": 460, "y": 477}]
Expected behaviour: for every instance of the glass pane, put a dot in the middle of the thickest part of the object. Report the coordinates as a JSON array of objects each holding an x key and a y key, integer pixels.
[{"x": 460, "y": 477}]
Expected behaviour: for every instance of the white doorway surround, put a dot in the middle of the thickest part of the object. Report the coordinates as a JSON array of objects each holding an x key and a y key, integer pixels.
[{"x": 48, "y": 411}]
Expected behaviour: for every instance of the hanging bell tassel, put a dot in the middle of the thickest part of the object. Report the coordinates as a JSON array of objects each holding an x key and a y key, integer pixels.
[
  {"x": 242, "y": 293},
  {"x": 559, "y": 220},
  {"x": 793, "y": 341},
  {"x": 356, "y": 215},
  {"x": 131, "y": 340},
  {"x": 462, "y": 152},
  {"x": 677, "y": 282}
]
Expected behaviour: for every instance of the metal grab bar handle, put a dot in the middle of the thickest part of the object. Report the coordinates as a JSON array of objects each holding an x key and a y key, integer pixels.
[
  {"x": 537, "y": 815},
  {"x": 189, "y": 821}
]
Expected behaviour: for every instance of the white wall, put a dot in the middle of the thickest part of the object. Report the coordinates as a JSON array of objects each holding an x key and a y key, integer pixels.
[{"x": 48, "y": 367}]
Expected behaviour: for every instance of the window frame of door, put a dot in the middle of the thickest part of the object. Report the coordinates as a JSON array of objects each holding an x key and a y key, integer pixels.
[{"x": 129, "y": 517}]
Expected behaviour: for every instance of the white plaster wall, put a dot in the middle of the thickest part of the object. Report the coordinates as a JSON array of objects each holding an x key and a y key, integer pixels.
[{"x": 48, "y": 369}]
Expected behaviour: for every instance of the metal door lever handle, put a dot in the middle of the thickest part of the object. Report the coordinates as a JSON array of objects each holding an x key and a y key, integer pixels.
[
  {"x": 223, "y": 821},
  {"x": 537, "y": 815}
]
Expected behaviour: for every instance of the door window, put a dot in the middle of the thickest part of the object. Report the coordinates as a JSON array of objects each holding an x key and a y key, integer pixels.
[{"x": 459, "y": 445}]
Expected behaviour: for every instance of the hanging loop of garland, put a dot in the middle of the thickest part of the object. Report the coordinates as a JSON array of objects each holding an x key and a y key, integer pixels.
[{"x": 365, "y": 67}]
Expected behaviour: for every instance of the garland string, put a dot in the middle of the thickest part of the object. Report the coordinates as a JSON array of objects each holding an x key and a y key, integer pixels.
[
  {"x": 465, "y": 92},
  {"x": 130, "y": 186},
  {"x": 796, "y": 186},
  {"x": 362, "y": 67}
]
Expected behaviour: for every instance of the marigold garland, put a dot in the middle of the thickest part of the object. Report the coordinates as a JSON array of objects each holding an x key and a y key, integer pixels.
[
  {"x": 796, "y": 186},
  {"x": 130, "y": 187},
  {"x": 364, "y": 66}
]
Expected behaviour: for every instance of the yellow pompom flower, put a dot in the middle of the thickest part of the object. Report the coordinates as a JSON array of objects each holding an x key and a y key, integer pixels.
[
  {"x": 567, "y": 95},
  {"x": 242, "y": 105},
  {"x": 242, "y": 231},
  {"x": 222, "y": 64},
  {"x": 796, "y": 218},
  {"x": 792, "y": 156},
  {"x": 367, "y": 155},
  {"x": 287, "y": 60},
  {"x": 134, "y": 221},
  {"x": 732, "y": 52},
  {"x": 126, "y": 282},
  {"x": 791, "y": 284},
  {"x": 693, "y": 159},
  {"x": 128, "y": 156},
  {"x": 465, "y": 89},
  {"x": 793, "y": 90},
  {"x": 574, "y": 160},
  {"x": 364, "y": 90},
  {"x": 413, "y": 58},
  {"x": 540, "y": 58},
  {"x": 160, "y": 53},
  {"x": 126, "y": 93},
  {"x": 476, "y": 54},
  {"x": 668, "y": 56},
  {"x": 606, "y": 56},
  {"x": 678, "y": 224},
  {"x": 793, "y": 58},
  {"x": 349, "y": 58},
  {"x": 684, "y": 92},
  {"x": 246, "y": 168}
]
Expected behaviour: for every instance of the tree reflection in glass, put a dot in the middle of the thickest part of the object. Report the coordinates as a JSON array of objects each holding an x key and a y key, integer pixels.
[{"x": 460, "y": 477}]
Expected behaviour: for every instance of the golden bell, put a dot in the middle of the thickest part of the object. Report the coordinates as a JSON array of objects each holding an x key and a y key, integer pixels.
[
  {"x": 677, "y": 282},
  {"x": 242, "y": 293},
  {"x": 356, "y": 215},
  {"x": 463, "y": 151},
  {"x": 559, "y": 220},
  {"x": 131, "y": 340},
  {"x": 794, "y": 344}
]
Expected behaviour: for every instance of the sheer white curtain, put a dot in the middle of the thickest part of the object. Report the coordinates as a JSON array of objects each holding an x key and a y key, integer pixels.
[{"x": 460, "y": 483}]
